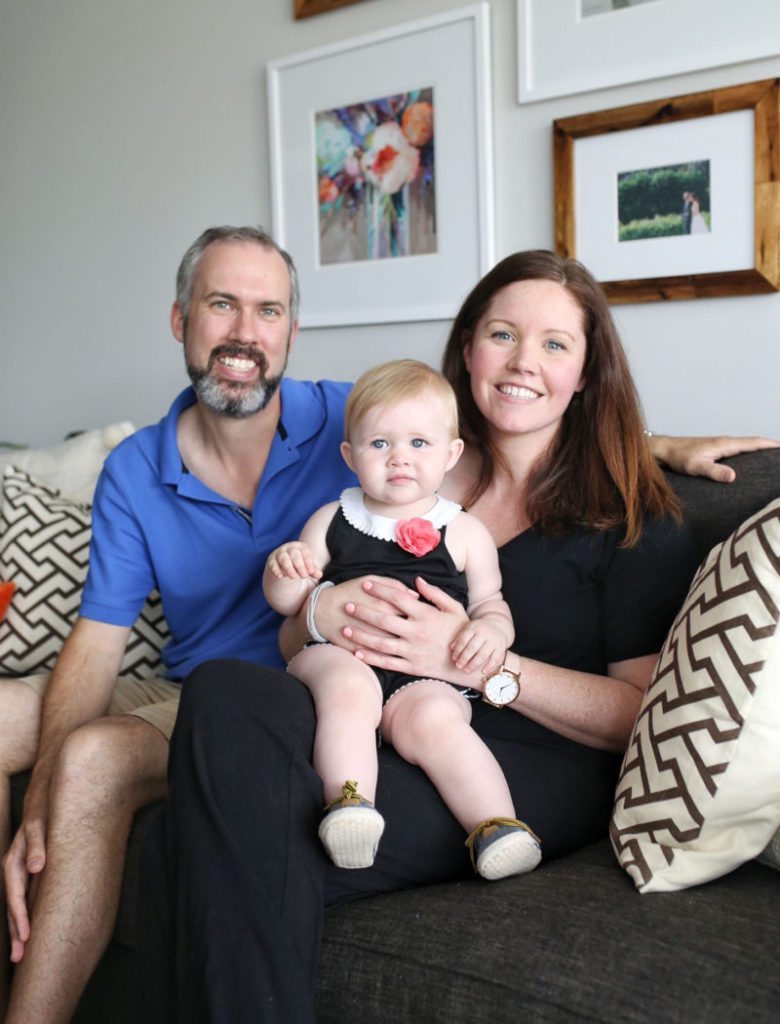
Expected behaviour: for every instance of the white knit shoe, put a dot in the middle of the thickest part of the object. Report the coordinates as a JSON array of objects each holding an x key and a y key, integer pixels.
[{"x": 351, "y": 829}]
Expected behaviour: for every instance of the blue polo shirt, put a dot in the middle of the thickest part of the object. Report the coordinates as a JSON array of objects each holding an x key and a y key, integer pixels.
[{"x": 154, "y": 525}]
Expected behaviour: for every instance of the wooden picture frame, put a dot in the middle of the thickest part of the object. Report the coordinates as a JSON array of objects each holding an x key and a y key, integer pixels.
[
  {"x": 595, "y": 241},
  {"x": 308, "y": 8}
]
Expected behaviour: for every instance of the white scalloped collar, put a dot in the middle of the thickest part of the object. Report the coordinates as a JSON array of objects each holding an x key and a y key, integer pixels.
[{"x": 383, "y": 527}]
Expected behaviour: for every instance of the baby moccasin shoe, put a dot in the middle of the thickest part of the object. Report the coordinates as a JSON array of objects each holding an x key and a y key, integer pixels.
[
  {"x": 501, "y": 847},
  {"x": 351, "y": 829}
]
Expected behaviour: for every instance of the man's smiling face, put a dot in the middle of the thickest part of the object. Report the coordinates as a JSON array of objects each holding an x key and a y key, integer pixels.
[{"x": 237, "y": 331}]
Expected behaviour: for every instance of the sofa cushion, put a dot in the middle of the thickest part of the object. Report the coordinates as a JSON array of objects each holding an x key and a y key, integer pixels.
[
  {"x": 713, "y": 510},
  {"x": 699, "y": 791},
  {"x": 568, "y": 942},
  {"x": 771, "y": 853},
  {"x": 44, "y": 546}
]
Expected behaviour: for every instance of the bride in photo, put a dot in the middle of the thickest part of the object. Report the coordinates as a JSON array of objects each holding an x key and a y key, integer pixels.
[{"x": 699, "y": 225}]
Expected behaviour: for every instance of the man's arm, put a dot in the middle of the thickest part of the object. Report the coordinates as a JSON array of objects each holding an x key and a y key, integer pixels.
[
  {"x": 698, "y": 456},
  {"x": 79, "y": 691}
]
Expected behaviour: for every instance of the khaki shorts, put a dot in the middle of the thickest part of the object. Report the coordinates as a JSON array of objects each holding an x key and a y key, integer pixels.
[{"x": 154, "y": 700}]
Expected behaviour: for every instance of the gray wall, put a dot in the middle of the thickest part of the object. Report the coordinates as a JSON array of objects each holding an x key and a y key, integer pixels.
[{"x": 129, "y": 125}]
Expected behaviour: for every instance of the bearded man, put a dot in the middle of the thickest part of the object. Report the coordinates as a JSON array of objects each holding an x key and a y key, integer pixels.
[{"x": 191, "y": 507}]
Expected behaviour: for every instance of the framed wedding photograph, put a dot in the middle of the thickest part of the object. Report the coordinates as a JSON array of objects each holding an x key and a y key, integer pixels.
[
  {"x": 571, "y": 46},
  {"x": 675, "y": 198},
  {"x": 381, "y": 169}
]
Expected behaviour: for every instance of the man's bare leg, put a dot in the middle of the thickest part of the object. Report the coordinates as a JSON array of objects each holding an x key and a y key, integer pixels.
[
  {"x": 20, "y": 717},
  {"x": 105, "y": 772}
]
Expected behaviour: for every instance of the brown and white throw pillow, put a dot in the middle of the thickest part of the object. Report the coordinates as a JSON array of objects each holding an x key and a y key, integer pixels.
[
  {"x": 44, "y": 549},
  {"x": 699, "y": 791}
]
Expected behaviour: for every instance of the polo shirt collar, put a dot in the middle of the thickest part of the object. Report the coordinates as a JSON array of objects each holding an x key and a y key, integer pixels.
[
  {"x": 171, "y": 467},
  {"x": 303, "y": 416}
]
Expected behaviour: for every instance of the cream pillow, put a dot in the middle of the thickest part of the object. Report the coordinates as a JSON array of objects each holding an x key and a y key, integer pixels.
[
  {"x": 699, "y": 791},
  {"x": 73, "y": 466}
]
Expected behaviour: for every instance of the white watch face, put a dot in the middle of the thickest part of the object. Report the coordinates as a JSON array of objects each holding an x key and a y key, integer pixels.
[{"x": 501, "y": 688}]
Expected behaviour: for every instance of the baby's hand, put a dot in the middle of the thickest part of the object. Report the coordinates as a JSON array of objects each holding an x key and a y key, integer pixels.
[
  {"x": 293, "y": 561},
  {"x": 480, "y": 646}
]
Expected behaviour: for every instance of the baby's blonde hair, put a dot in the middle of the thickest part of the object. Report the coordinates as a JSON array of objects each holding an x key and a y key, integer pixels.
[{"x": 397, "y": 381}]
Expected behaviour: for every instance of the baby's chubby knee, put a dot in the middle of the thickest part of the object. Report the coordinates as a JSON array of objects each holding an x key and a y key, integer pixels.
[{"x": 424, "y": 713}]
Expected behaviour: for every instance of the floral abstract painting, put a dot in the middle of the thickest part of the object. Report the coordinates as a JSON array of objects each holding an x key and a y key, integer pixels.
[{"x": 376, "y": 178}]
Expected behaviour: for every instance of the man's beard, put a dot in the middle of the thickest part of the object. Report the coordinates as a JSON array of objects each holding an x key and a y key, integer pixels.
[{"x": 234, "y": 399}]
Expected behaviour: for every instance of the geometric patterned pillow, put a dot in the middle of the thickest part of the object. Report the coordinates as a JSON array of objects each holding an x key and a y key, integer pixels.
[
  {"x": 44, "y": 549},
  {"x": 699, "y": 791}
]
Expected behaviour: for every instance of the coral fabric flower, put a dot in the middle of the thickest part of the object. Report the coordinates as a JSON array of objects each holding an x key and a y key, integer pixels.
[{"x": 417, "y": 536}]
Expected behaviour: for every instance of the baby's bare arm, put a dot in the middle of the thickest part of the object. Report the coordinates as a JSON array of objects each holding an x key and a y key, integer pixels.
[
  {"x": 483, "y": 642},
  {"x": 293, "y": 569},
  {"x": 290, "y": 575}
]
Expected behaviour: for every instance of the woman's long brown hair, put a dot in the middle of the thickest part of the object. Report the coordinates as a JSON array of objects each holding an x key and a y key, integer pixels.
[{"x": 599, "y": 471}]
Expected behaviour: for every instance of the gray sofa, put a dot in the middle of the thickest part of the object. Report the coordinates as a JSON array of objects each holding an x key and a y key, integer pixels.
[{"x": 572, "y": 941}]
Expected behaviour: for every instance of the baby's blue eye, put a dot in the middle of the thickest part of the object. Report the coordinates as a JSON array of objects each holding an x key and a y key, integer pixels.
[
  {"x": 379, "y": 442},
  {"x": 418, "y": 442}
]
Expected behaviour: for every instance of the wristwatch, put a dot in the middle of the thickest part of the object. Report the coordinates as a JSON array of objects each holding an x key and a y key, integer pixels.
[{"x": 501, "y": 688}]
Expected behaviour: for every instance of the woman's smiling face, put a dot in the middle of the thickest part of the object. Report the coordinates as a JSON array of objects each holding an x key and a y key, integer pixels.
[{"x": 526, "y": 358}]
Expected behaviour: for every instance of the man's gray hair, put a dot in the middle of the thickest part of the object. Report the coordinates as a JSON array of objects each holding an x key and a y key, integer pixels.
[{"x": 188, "y": 267}]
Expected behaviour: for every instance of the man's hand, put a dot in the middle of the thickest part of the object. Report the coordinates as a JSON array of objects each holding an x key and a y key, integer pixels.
[
  {"x": 698, "y": 456},
  {"x": 23, "y": 862}
]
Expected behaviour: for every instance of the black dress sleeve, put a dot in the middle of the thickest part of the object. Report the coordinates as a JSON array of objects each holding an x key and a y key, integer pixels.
[
  {"x": 644, "y": 588},
  {"x": 580, "y": 601}
]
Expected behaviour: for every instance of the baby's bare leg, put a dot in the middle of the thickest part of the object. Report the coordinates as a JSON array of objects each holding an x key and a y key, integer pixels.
[
  {"x": 348, "y": 700},
  {"x": 428, "y": 723}
]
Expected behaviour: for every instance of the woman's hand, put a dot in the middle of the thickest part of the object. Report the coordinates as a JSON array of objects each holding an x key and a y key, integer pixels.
[
  {"x": 330, "y": 617},
  {"x": 697, "y": 456},
  {"x": 333, "y": 615},
  {"x": 413, "y": 637}
]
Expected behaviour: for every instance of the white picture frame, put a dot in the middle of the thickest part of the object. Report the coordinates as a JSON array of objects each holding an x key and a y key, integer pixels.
[
  {"x": 560, "y": 53},
  {"x": 449, "y": 53}
]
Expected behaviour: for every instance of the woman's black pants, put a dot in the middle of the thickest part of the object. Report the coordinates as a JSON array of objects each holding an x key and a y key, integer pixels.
[{"x": 234, "y": 881}]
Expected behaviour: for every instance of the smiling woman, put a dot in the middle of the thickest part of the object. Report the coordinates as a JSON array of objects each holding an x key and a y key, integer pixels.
[{"x": 527, "y": 353}]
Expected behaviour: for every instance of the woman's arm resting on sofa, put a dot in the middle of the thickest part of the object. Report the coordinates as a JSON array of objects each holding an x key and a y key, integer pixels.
[{"x": 698, "y": 456}]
